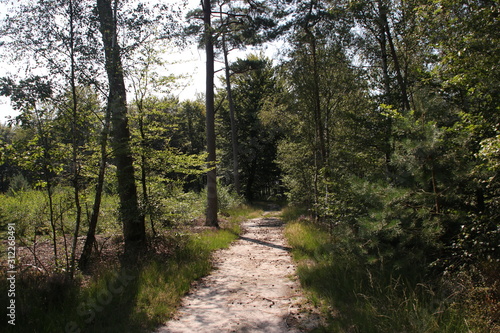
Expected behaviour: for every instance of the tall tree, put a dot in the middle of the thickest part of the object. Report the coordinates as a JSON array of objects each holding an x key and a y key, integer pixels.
[
  {"x": 234, "y": 124},
  {"x": 253, "y": 83},
  {"x": 211, "y": 217},
  {"x": 318, "y": 30},
  {"x": 239, "y": 25},
  {"x": 75, "y": 142},
  {"x": 133, "y": 220},
  {"x": 464, "y": 38},
  {"x": 32, "y": 98},
  {"x": 385, "y": 43},
  {"x": 235, "y": 25},
  {"x": 99, "y": 187}
]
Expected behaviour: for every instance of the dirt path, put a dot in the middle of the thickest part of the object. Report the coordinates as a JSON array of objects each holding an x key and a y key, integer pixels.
[{"x": 251, "y": 290}]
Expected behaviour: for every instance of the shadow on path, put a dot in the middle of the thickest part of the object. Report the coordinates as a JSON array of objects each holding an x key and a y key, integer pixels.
[
  {"x": 269, "y": 222},
  {"x": 256, "y": 241}
]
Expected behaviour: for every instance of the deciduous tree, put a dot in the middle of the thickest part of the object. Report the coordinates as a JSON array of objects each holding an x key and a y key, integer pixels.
[{"x": 132, "y": 218}]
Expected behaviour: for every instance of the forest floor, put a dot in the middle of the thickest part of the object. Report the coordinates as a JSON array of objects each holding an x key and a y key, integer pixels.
[{"x": 252, "y": 289}]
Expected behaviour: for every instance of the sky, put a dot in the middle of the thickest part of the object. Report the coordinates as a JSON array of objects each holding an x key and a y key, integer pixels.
[{"x": 188, "y": 62}]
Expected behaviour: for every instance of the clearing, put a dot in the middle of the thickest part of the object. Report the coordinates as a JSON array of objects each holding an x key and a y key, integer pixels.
[{"x": 252, "y": 289}]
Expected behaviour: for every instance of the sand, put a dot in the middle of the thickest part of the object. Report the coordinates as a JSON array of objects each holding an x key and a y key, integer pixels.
[{"x": 252, "y": 289}]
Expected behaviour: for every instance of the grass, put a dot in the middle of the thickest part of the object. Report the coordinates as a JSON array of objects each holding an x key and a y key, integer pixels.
[
  {"x": 239, "y": 213},
  {"x": 119, "y": 299},
  {"x": 29, "y": 210},
  {"x": 357, "y": 296}
]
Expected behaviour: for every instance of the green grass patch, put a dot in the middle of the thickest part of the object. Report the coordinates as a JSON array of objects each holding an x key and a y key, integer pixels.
[
  {"x": 237, "y": 214},
  {"x": 294, "y": 213},
  {"x": 359, "y": 296}
]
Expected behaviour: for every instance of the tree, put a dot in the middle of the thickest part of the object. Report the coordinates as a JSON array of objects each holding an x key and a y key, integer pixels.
[
  {"x": 211, "y": 217},
  {"x": 145, "y": 81},
  {"x": 253, "y": 82},
  {"x": 237, "y": 27},
  {"x": 75, "y": 140},
  {"x": 103, "y": 151},
  {"x": 329, "y": 100},
  {"x": 32, "y": 98},
  {"x": 54, "y": 34},
  {"x": 234, "y": 124},
  {"x": 133, "y": 220},
  {"x": 141, "y": 35},
  {"x": 7, "y": 168},
  {"x": 463, "y": 37},
  {"x": 322, "y": 95}
]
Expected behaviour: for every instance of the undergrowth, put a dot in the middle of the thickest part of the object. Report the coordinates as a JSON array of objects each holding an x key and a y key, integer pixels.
[
  {"x": 360, "y": 294},
  {"x": 117, "y": 297}
]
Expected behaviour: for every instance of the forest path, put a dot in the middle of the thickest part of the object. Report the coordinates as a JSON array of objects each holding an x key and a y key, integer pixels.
[{"x": 252, "y": 289}]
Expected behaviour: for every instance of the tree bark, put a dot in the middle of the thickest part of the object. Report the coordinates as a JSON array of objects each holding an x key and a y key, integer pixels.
[
  {"x": 387, "y": 97},
  {"x": 144, "y": 164},
  {"x": 90, "y": 240},
  {"x": 405, "y": 103},
  {"x": 211, "y": 216},
  {"x": 132, "y": 219},
  {"x": 76, "y": 173},
  {"x": 234, "y": 126},
  {"x": 318, "y": 118}
]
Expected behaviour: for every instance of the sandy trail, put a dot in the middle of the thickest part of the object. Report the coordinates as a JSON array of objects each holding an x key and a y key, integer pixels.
[{"x": 251, "y": 290}]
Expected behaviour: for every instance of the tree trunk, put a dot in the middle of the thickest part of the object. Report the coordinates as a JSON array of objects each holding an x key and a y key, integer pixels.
[
  {"x": 90, "y": 240},
  {"x": 251, "y": 178},
  {"x": 144, "y": 175},
  {"x": 318, "y": 117},
  {"x": 234, "y": 128},
  {"x": 405, "y": 104},
  {"x": 133, "y": 221},
  {"x": 437, "y": 205},
  {"x": 211, "y": 217},
  {"x": 76, "y": 184},
  {"x": 387, "y": 97},
  {"x": 52, "y": 217},
  {"x": 48, "y": 179}
]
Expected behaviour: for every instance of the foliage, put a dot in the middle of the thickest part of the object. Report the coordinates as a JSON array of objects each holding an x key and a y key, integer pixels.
[
  {"x": 227, "y": 198},
  {"x": 178, "y": 208},
  {"x": 33, "y": 219},
  {"x": 253, "y": 83},
  {"x": 25, "y": 209},
  {"x": 295, "y": 161},
  {"x": 360, "y": 294}
]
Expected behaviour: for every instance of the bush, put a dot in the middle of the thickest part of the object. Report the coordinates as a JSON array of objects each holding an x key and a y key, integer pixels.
[
  {"x": 29, "y": 210},
  {"x": 226, "y": 198},
  {"x": 178, "y": 208}
]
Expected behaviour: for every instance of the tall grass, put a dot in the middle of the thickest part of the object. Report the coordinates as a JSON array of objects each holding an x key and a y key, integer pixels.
[
  {"x": 359, "y": 296},
  {"x": 29, "y": 211}
]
